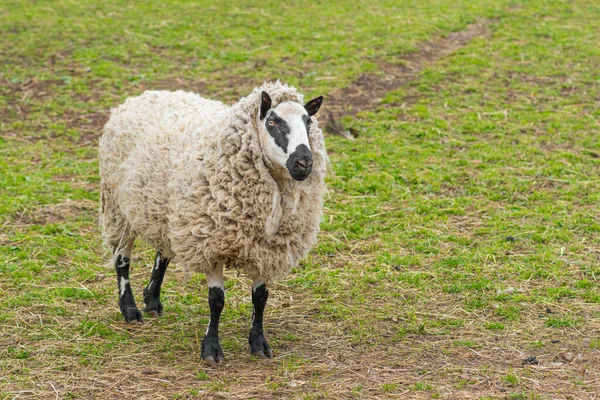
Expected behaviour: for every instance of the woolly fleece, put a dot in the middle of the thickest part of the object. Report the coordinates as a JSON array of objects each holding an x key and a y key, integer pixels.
[{"x": 188, "y": 175}]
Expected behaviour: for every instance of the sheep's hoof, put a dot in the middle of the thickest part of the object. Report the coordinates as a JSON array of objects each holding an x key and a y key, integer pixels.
[
  {"x": 259, "y": 346},
  {"x": 153, "y": 313},
  {"x": 154, "y": 308},
  {"x": 131, "y": 314},
  {"x": 211, "y": 350}
]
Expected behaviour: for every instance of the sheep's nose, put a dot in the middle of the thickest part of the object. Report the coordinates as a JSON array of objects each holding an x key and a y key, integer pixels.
[
  {"x": 304, "y": 163},
  {"x": 300, "y": 163}
]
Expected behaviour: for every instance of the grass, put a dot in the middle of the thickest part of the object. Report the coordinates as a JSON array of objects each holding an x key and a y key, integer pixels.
[{"x": 460, "y": 233}]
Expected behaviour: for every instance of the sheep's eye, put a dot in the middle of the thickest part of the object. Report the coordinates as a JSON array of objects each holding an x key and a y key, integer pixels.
[
  {"x": 309, "y": 122},
  {"x": 272, "y": 123}
]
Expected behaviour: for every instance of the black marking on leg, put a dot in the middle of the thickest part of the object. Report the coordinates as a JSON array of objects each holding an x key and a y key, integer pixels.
[
  {"x": 258, "y": 344},
  {"x": 126, "y": 301},
  {"x": 279, "y": 130},
  {"x": 211, "y": 349},
  {"x": 152, "y": 291}
]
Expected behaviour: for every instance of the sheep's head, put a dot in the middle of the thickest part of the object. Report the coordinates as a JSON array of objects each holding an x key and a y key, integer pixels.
[{"x": 283, "y": 132}]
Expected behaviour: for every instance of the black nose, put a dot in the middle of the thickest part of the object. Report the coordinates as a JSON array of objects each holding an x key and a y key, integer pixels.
[
  {"x": 300, "y": 163},
  {"x": 304, "y": 163}
]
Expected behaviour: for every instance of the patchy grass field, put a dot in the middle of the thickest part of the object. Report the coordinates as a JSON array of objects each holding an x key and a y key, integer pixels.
[{"x": 460, "y": 236}]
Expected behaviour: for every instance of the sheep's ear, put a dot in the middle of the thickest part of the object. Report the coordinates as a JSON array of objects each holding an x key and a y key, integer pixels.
[
  {"x": 265, "y": 104},
  {"x": 313, "y": 106}
]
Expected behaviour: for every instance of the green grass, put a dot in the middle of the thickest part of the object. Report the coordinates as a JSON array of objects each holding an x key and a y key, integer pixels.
[{"x": 460, "y": 233}]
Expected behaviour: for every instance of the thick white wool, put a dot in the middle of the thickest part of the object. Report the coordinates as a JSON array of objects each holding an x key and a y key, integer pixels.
[{"x": 188, "y": 175}]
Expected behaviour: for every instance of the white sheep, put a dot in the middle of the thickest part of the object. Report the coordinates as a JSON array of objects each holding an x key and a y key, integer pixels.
[{"x": 213, "y": 186}]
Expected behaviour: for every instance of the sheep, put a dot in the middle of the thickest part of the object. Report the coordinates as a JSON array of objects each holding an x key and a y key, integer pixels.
[{"x": 211, "y": 186}]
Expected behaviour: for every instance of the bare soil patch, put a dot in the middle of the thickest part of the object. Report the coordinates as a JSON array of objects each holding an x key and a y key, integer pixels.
[
  {"x": 32, "y": 88},
  {"x": 54, "y": 213},
  {"x": 196, "y": 86}
]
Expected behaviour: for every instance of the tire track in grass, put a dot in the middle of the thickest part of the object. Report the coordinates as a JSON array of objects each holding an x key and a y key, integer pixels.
[{"x": 368, "y": 90}]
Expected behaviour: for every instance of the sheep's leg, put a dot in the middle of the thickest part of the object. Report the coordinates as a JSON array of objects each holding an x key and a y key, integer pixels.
[
  {"x": 126, "y": 301},
  {"x": 152, "y": 291},
  {"x": 211, "y": 349},
  {"x": 258, "y": 344}
]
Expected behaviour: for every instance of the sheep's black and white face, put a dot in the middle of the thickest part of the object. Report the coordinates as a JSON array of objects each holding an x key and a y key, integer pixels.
[{"x": 283, "y": 132}]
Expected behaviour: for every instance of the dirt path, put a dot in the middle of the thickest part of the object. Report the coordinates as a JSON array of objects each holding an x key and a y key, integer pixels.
[{"x": 367, "y": 91}]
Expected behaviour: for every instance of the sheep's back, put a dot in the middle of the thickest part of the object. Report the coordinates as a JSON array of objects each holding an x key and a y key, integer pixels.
[{"x": 144, "y": 152}]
